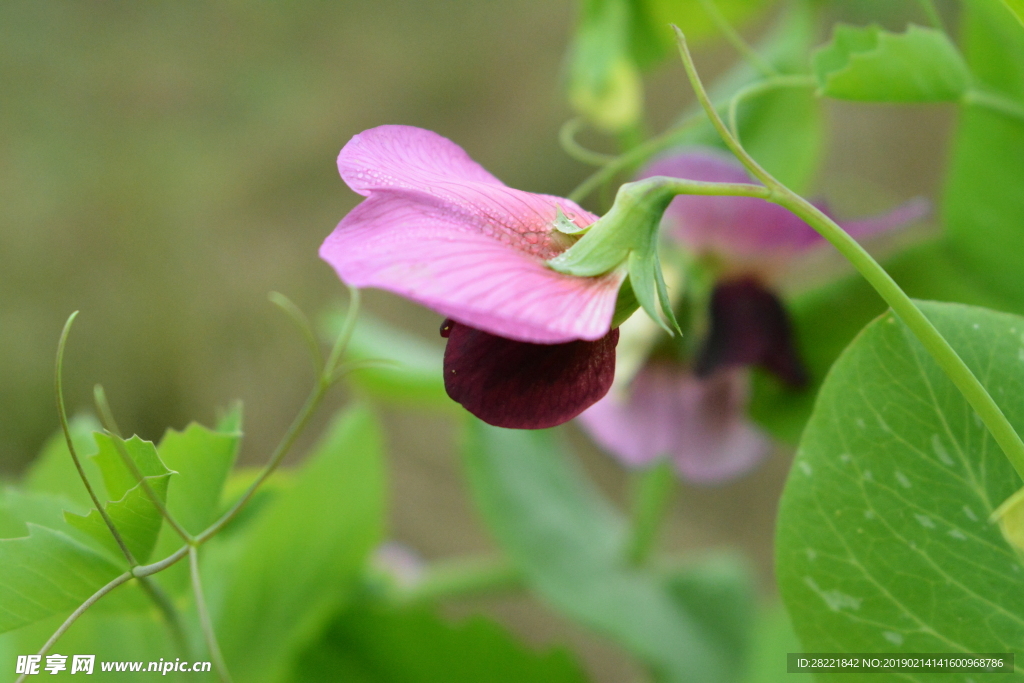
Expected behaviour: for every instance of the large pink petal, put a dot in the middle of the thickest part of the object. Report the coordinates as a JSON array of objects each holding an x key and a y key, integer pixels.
[
  {"x": 405, "y": 157},
  {"x": 667, "y": 411},
  {"x": 745, "y": 227},
  {"x": 464, "y": 263}
]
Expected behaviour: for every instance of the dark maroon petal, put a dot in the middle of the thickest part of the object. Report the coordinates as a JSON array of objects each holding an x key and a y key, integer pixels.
[
  {"x": 518, "y": 385},
  {"x": 749, "y": 326}
]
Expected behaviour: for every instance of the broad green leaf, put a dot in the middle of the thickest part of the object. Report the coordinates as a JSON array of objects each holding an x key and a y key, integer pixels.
[
  {"x": 47, "y": 573},
  {"x": 300, "y": 559},
  {"x": 883, "y": 542},
  {"x": 870, "y": 64},
  {"x": 569, "y": 543},
  {"x": 1017, "y": 7},
  {"x": 983, "y": 204},
  {"x": 18, "y": 508},
  {"x": 202, "y": 459},
  {"x": 417, "y": 376},
  {"x": 54, "y": 471},
  {"x": 375, "y": 644},
  {"x": 137, "y": 519}
]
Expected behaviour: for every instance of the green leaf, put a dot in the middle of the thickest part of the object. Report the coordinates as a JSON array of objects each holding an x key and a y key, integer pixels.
[
  {"x": 47, "y": 573},
  {"x": 137, "y": 519},
  {"x": 131, "y": 510},
  {"x": 983, "y": 205},
  {"x": 417, "y": 378},
  {"x": 116, "y": 475},
  {"x": 869, "y": 64},
  {"x": 1017, "y": 7},
  {"x": 54, "y": 471},
  {"x": 372, "y": 643},
  {"x": 884, "y": 543},
  {"x": 300, "y": 559},
  {"x": 569, "y": 542},
  {"x": 202, "y": 458}
]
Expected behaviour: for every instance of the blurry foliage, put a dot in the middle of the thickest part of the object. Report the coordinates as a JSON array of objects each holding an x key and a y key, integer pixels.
[{"x": 163, "y": 166}]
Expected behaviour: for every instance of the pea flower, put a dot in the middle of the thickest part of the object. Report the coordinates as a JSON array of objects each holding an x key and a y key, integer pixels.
[
  {"x": 689, "y": 404},
  {"x": 528, "y": 347}
]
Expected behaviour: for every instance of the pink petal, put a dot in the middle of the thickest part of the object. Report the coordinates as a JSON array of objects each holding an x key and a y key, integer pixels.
[
  {"x": 463, "y": 262},
  {"x": 405, "y": 157},
  {"x": 517, "y": 385},
  {"x": 744, "y": 227},
  {"x": 667, "y": 411}
]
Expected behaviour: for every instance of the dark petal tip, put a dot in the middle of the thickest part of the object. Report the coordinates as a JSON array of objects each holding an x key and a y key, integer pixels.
[
  {"x": 750, "y": 326},
  {"x": 518, "y": 385}
]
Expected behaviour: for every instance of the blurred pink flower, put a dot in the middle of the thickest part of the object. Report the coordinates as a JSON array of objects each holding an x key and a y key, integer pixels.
[
  {"x": 693, "y": 409},
  {"x": 528, "y": 347}
]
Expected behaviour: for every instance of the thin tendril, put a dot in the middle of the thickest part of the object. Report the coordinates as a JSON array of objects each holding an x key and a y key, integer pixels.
[
  {"x": 567, "y": 139},
  {"x": 736, "y": 40},
  {"x": 634, "y": 156},
  {"x": 204, "y": 617},
  {"x": 304, "y": 327},
  {"x": 63, "y": 416}
]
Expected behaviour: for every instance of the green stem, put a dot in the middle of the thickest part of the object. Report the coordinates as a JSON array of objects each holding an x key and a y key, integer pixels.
[
  {"x": 736, "y": 40},
  {"x": 929, "y": 337},
  {"x": 652, "y": 499},
  {"x": 204, "y": 617},
  {"x": 994, "y": 102},
  {"x": 123, "y": 578},
  {"x": 462, "y": 578}
]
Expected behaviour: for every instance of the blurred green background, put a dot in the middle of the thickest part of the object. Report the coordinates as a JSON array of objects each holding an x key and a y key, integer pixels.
[{"x": 165, "y": 165}]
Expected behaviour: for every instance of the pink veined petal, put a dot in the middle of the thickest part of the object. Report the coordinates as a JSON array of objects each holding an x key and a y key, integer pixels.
[
  {"x": 667, "y": 411},
  {"x": 745, "y": 226},
  {"x": 406, "y": 157},
  {"x": 472, "y": 264}
]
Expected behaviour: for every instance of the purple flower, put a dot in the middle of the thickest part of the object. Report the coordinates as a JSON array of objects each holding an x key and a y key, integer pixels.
[
  {"x": 692, "y": 409},
  {"x": 528, "y": 347}
]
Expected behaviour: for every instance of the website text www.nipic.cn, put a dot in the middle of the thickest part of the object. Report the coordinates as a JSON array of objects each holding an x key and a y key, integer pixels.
[{"x": 86, "y": 664}]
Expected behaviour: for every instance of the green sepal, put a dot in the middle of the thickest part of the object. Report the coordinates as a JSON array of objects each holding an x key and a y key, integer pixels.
[
  {"x": 869, "y": 64},
  {"x": 628, "y": 236}
]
